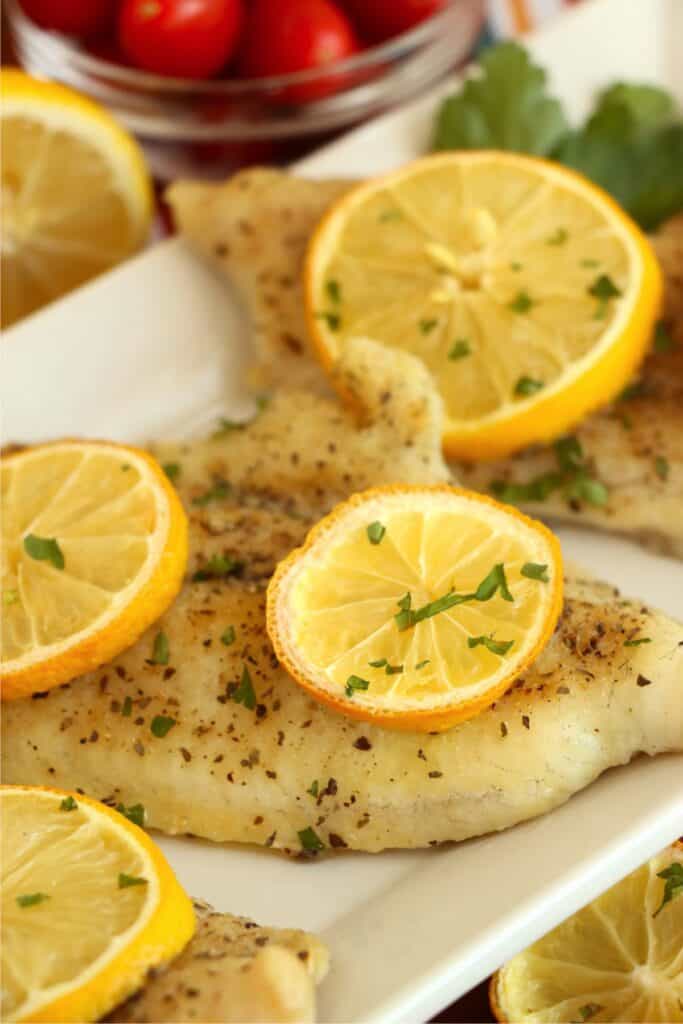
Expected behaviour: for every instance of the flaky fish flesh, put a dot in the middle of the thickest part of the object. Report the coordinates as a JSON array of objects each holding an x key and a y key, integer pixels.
[
  {"x": 257, "y": 226},
  {"x": 233, "y": 971},
  {"x": 245, "y": 745}
]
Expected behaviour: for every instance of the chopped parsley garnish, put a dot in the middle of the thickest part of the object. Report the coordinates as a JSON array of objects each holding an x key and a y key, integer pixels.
[
  {"x": 333, "y": 289},
  {"x": 354, "y": 683},
  {"x": 603, "y": 289},
  {"x": 32, "y": 899},
  {"x": 573, "y": 479},
  {"x": 495, "y": 646},
  {"x": 126, "y": 881},
  {"x": 521, "y": 303},
  {"x": 636, "y": 389},
  {"x": 387, "y": 215},
  {"x": 262, "y": 402},
  {"x": 127, "y": 708},
  {"x": 662, "y": 467},
  {"x": 10, "y": 596},
  {"x": 496, "y": 580},
  {"x": 558, "y": 237},
  {"x": 244, "y": 693},
  {"x": 134, "y": 813},
  {"x": 516, "y": 266},
  {"x": 161, "y": 726},
  {"x": 534, "y": 571},
  {"x": 310, "y": 840},
  {"x": 228, "y": 636},
  {"x": 427, "y": 325},
  {"x": 172, "y": 470},
  {"x": 161, "y": 651},
  {"x": 459, "y": 349},
  {"x": 380, "y": 663},
  {"x": 528, "y": 386},
  {"x": 588, "y": 263},
  {"x": 663, "y": 341},
  {"x": 333, "y": 320},
  {"x": 375, "y": 532},
  {"x": 673, "y": 878},
  {"x": 68, "y": 804},
  {"x": 393, "y": 670},
  {"x": 218, "y": 567},
  {"x": 225, "y": 427},
  {"x": 636, "y": 643},
  {"x": 421, "y": 664},
  {"x": 313, "y": 788},
  {"x": 221, "y": 489},
  {"x": 588, "y": 1011},
  {"x": 44, "y": 549}
]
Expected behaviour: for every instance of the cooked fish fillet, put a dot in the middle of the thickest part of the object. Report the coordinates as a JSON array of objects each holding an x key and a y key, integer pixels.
[
  {"x": 227, "y": 771},
  {"x": 257, "y": 227},
  {"x": 233, "y": 971}
]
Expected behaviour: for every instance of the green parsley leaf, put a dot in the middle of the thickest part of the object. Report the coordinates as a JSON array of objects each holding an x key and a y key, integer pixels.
[
  {"x": 662, "y": 467},
  {"x": 558, "y": 237},
  {"x": 421, "y": 664},
  {"x": 161, "y": 651},
  {"x": 172, "y": 470},
  {"x": 244, "y": 693},
  {"x": 387, "y": 215},
  {"x": 161, "y": 726},
  {"x": 32, "y": 899},
  {"x": 538, "y": 489},
  {"x": 333, "y": 320},
  {"x": 228, "y": 636},
  {"x": 221, "y": 489},
  {"x": 394, "y": 670},
  {"x": 403, "y": 618},
  {"x": 585, "y": 488},
  {"x": 636, "y": 389},
  {"x": 310, "y": 841},
  {"x": 500, "y": 647},
  {"x": 380, "y": 663},
  {"x": 313, "y": 788},
  {"x": 333, "y": 289},
  {"x": 503, "y": 104},
  {"x": 44, "y": 549},
  {"x": 459, "y": 349},
  {"x": 528, "y": 386},
  {"x": 375, "y": 532},
  {"x": 127, "y": 708},
  {"x": 588, "y": 1011},
  {"x": 68, "y": 804},
  {"x": 218, "y": 567},
  {"x": 225, "y": 427},
  {"x": 534, "y": 571},
  {"x": 496, "y": 580},
  {"x": 134, "y": 813},
  {"x": 638, "y": 642},
  {"x": 10, "y": 597},
  {"x": 126, "y": 881},
  {"x": 663, "y": 341},
  {"x": 521, "y": 303},
  {"x": 673, "y": 878},
  {"x": 604, "y": 288},
  {"x": 427, "y": 325},
  {"x": 354, "y": 683},
  {"x": 569, "y": 453}
]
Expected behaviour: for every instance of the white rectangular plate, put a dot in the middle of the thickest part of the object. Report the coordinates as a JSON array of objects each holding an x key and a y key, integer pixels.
[{"x": 157, "y": 348}]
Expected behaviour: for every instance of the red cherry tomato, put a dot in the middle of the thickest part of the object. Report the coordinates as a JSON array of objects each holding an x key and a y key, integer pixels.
[
  {"x": 72, "y": 17},
  {"x": 378, "y": 20},
  {"x": 182, "y": 38},
  {"x": 282, "y": 36}
]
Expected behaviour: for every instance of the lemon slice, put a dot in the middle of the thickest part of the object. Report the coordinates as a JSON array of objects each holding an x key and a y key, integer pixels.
[
  {"x": 76, "y": 195},
  {"x": 415, "y": 607},
  {"x": 94, "y": 548},
  {"x": 527, "y": 292},
  {"x": 618, "y": 959},
  {"x": 89, "y": 905}
]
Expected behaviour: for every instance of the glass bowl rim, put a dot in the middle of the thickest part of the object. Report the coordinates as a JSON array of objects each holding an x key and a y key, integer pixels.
[{"x": 132, "y": 77}]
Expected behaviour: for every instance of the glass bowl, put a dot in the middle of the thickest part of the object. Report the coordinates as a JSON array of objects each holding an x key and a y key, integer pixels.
[{"x": 209, "y": 128}]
